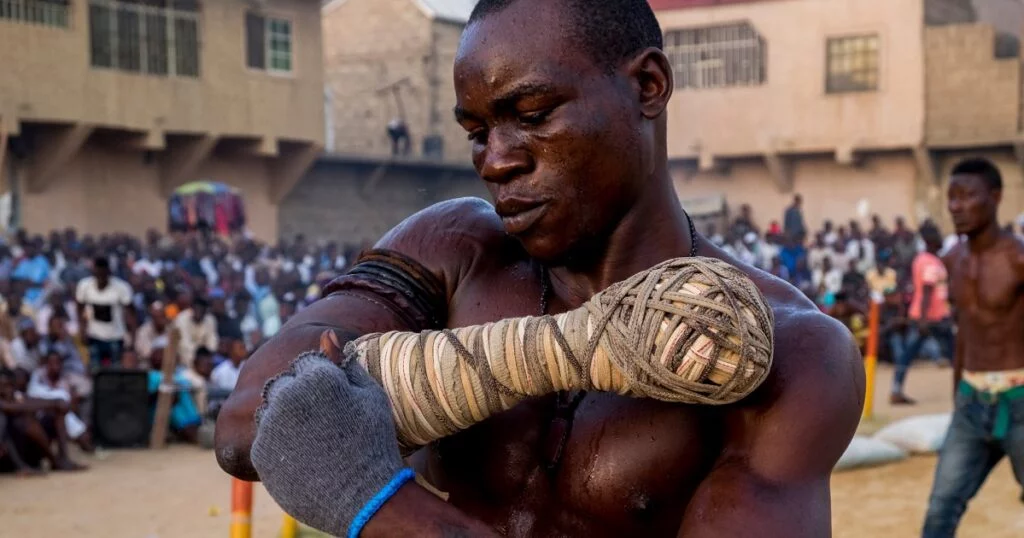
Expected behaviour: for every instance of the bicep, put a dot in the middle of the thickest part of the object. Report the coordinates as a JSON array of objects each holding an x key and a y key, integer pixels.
[{"x": 772, "y": 478}]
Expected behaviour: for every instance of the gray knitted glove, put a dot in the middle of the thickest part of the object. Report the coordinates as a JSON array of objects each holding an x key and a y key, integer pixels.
[{"x": 325, "y": 446}]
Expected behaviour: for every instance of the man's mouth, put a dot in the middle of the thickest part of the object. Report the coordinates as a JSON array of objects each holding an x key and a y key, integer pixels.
[{"x": 518, "y": 216}]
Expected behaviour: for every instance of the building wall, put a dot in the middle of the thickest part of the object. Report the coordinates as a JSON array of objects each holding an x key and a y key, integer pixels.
[
  {"x": 334, "y": 201},
  {"x": 371, "y": 45},
  {"x": 104, "y": 190},
  {"x": 49, "y": 79},
  {"x": 791, "y": 112},
  {"x": 1005, "y": 15},
  {"x": 884, "y": 184},
  {"x": 971, "y": 97},
  {"x": 949, "y": 11}
]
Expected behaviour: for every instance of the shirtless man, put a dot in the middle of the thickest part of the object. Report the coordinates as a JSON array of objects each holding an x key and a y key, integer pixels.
[
  {"x": 565, "y": 103},
  {"x": 987, "y": 290}
]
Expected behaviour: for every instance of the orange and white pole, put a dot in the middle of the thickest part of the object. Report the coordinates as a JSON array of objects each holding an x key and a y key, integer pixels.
[{"x": 241, "y": 509}]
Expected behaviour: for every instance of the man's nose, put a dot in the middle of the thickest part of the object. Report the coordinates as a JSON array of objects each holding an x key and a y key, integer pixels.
[{"x": 504, "y": 157}]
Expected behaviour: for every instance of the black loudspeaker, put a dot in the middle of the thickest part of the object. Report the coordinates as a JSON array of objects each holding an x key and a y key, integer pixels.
[{"x": 121, "y": 408}]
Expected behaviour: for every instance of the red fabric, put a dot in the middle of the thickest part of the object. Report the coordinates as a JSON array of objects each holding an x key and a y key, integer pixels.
[{"x": 660, "y": 5}]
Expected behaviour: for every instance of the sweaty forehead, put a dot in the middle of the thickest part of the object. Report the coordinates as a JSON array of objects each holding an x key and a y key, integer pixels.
[{"x": 525, "y": 42}]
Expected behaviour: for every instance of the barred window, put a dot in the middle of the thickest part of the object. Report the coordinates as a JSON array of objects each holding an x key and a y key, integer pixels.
[
  {"x": 268, "y": 43},
  {"x": 717, "y": 56},
  {"x": 42, "y": 12},
  {"x": 852, "y": 64},
  {"x": 154, "y": 37}
]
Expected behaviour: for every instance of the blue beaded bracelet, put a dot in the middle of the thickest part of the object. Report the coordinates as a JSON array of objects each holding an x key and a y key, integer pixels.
[{"x": 378, "y": 500}]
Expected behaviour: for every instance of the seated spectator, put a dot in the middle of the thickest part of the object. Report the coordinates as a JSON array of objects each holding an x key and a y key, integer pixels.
[
  {"x": 184, "y": 418},
  {"x": 49, "y": 382},
  {"x": 130, "y": 360},
  {"x": 828, "y": 281},
  {"x": 778, "y": 269},
  {"x": 242, "y": 309},
  {"x": 59, "y": 341},
  {"x": 853, "y": 282},
  {"x": 881, "y": 280},
  {"x": 25, "y": 348},
  {"x": 10, "y": 458},
  {"x": 802, "y": 278},
  {"x": 153, "y": 334},
  {"x": 851, "y": 316},
  {"x": 59, "y": 303},
  {"x": 35, "y": 426},
  {"x": 225, "y": 375},
  {"x": 197, "y": 328}
]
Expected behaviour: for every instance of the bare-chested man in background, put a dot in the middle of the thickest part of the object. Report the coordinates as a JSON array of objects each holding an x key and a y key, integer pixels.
[{"x": 987, "y": 289}]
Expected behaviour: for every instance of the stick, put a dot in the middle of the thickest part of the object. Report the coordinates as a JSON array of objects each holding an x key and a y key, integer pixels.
[{"x": 167, "y": 391}]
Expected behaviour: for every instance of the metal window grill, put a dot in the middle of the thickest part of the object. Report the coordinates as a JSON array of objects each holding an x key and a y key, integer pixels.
[
  {"x": 53, "y": 13},
  {"x": 717, "y": 56},
  {"x": 279, "y": 45},
  {"x": 146, "y": 39},
  {"x": 852, "y": 64}
]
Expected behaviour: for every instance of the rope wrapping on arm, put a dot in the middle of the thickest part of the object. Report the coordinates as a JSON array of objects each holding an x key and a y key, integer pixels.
[{"x": 690, "y": 330}]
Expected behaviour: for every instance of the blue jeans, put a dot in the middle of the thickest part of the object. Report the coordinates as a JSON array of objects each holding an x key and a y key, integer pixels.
[
  {"x": 968, "y": 456},
  {"x": 912, "y": 344},
  {"x": 103, "y": 351}
]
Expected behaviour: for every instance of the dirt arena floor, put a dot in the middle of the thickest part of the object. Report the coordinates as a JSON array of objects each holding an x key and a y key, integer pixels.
[{"x": 181, "y": 493}]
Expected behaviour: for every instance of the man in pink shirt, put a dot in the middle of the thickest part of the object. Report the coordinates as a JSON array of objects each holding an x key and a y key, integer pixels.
[{"x": 929, "y": 309}]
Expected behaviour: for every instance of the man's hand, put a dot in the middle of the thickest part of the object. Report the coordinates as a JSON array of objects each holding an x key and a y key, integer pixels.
[{"x": 325, "y": 445}]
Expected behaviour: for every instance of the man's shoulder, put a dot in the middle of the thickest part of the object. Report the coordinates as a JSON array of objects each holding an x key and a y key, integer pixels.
[{"x": 450, "y": 236}]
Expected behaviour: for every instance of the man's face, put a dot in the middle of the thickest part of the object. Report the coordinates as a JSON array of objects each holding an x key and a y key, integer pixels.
[
  {"x": 56, "y": 328},
  {"x": 559, "y": 141},
  {"x": 54, "y": 366},
  {"x": 972, "y": 204}
]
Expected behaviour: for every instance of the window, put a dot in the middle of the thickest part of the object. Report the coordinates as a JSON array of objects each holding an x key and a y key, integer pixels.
[
  {"x": 716, "y": 56},
  {"x": 155, "y": 37},
  {"x": 852, "y": 64},
  {"x": 268, "y": 43},
  {"x": 41, "y": 12}
]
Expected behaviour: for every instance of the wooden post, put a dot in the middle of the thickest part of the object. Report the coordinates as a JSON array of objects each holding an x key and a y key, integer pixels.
[
  {"x": 871, "y": 361},
  {"x": 241, "y": 508},
  {"x": 168, "y": 390}
]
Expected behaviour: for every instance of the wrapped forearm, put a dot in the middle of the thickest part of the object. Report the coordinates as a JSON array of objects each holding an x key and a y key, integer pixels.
[{"x": 690, "y": 330}]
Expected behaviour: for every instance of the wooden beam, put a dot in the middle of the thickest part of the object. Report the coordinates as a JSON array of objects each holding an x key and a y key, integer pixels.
[
  {"x": 182, "y": 159},
  {"x": 288, "y": 169},
  {"x": 55, "y": 147},
  {"x": 168, "y": 390},
  {"x": 781, "y": 170}
]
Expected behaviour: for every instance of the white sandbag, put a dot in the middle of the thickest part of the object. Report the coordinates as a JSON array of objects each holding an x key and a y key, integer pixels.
[
  {"x": 917, "y": 435},
  {"x": 867, "y": 451}
]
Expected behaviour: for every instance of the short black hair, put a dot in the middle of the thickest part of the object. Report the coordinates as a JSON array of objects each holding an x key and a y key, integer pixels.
[
  {"x": 610, "y": 30},
  {"x": 203, "y": 351},
  {"x": 982, "y": 168},
  {"x": 101, "y": 262}
]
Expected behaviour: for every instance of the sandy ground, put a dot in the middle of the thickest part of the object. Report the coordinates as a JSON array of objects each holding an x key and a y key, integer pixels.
[{"x": 181, "y": 493}]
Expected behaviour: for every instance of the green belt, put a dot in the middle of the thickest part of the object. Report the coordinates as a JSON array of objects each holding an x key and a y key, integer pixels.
[{"x": 1002, "y": 402}]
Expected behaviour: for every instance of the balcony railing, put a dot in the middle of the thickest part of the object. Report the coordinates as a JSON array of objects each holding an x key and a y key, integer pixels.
[
  {"x": 144, "y": 39},
  {"x": 42, "y": 12}
]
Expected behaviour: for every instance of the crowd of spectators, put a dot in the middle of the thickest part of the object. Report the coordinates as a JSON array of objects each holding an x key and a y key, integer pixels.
[
  {"x": 71, "y": 305},
  {"x": 844, "y": 267}
]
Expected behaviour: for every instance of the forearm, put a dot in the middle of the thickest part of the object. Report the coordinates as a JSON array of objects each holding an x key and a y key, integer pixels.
[
  {"x": 29, "y": 405},
  {"x": 414, "y": 512},
  {"x": 235, "y": 430}
]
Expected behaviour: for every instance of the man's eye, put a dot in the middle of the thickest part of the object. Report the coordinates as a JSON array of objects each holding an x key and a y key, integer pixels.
[
  {"x": 478, "y": 136},
  {"x": 534, "y": 118}
]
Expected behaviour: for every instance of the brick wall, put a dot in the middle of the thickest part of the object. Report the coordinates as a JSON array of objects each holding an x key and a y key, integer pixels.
[
  {"x": 370, "y": 45},
  {"x": 971, "y": 97},
  {"x": 334, "y": 201}
]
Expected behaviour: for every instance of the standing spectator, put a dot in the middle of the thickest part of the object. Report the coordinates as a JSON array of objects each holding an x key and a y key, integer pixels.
[
  {"x": 197, "y": 328},
  {"x": 793, "y": 221},
  {"x": 892, "y": 323},
  {"x": 904, "y": 247},
  {"x": 792, "y": 253},
  {"x": 744, "y": 223},
  {"x": 881, "y": 280},
  {"x": 818, "y": 252},
  {"x": 860, "y": 249},
  {"x": 929, "y": 308},
  {"x": 880, "y": 237},
  {"x": 103, "y": 301}
]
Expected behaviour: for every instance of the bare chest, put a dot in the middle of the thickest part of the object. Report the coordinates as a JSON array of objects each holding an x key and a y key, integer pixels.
[{"x": 625, "y": 467}]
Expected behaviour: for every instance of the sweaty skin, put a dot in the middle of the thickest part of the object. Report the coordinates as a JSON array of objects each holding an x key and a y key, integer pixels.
[
  {"x": 986, "y": 283},
  {"x": 575, "y": 159}
]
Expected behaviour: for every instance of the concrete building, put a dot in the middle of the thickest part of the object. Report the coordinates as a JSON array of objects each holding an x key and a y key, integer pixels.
[
  {"x": 107, "y": 105},
  {"x": 861, "y": 106},
  {"x": 388, "y": 60}
]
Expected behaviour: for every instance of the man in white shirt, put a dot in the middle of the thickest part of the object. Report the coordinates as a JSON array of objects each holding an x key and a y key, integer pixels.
[
  {"x": 102, "y": 301},
  {"x": 225, "y": 375},
  {"x": 827, "y": 281}
]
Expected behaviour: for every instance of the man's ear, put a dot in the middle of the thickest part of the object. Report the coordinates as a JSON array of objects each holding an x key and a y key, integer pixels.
[{"x": 651, "y": 76}]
